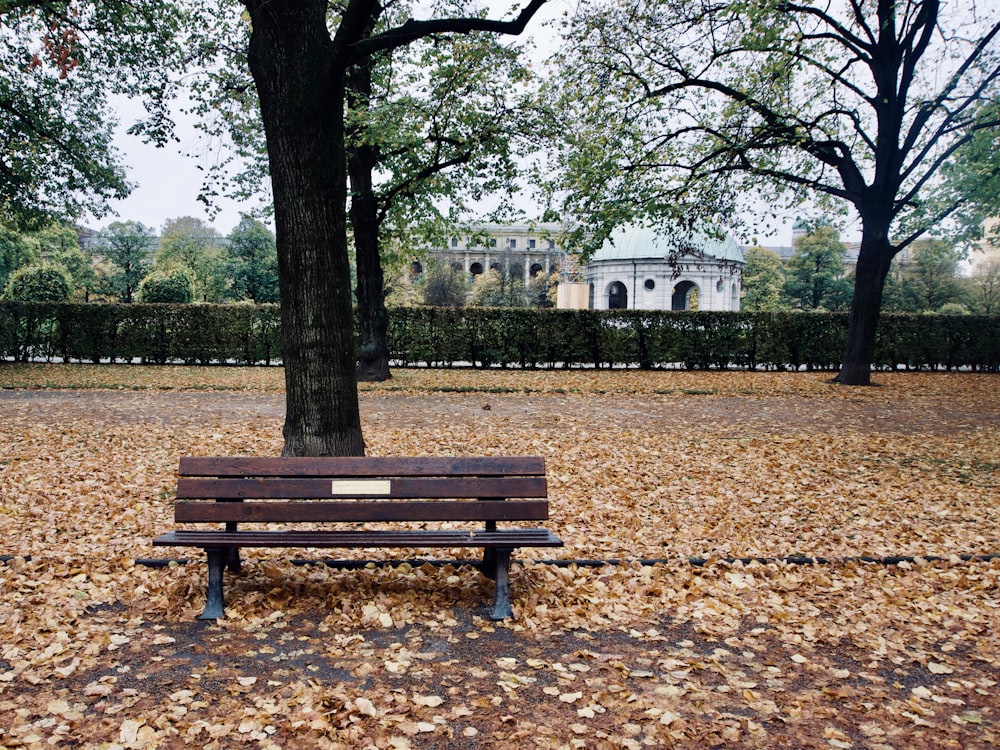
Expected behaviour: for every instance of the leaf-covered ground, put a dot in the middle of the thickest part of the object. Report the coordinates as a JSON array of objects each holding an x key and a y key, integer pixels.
[{"x": 98, "y": 651}]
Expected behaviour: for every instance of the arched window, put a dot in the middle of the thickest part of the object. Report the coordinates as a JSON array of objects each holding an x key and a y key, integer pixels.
[
  {"x": 535, "y": 269},
  {"x": 476, "y": 268},
  {"x": 617, "y": 296},
  {"x": 682, "y": 296}
]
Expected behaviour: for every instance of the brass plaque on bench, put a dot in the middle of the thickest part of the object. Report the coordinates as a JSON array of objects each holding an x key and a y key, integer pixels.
[{"x": 361, "y": 487}]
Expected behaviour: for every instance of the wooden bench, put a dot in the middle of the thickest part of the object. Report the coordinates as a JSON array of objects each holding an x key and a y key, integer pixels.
[{"x": 257, "y": 490}]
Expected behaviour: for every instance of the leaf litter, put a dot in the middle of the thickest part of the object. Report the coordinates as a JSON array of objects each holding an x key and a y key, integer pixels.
[{"x": 98, "y": 651}]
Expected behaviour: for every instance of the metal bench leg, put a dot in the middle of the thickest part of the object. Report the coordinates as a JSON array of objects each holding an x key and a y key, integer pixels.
[
  {"x": 233, "y": 559},
  {"x": 489, "y": 567},
  {"x": 214, "y": 602},
  {"x": 501, "y": 591}
]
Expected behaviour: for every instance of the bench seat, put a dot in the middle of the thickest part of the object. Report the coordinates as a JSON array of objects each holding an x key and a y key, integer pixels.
[
  {"x": 414, "y": 491},
  {"x": 369, "y": 538}
]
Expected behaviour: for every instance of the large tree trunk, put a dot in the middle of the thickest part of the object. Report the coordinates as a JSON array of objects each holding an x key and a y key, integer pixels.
[
  {"x": 373, "y": 318},
  {"x": 874, "y": 260},
  {"x": 301, "y": 96}
]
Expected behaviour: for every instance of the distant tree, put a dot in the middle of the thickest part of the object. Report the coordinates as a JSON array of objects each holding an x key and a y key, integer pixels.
[
  {"x": 498, "y": 288},
  {"x": 174, "y": 284},
  {"x": 16, "y": 250},
  {"x": 253, "y": 261},
  {"x": 763, "y": 280},
  {"x": 59, "y": 244},
  {"x": 192, "y": 243},
  {"x": 39, "y": 282},
  {"x": 928, "y": 279},
  {"x": 127, "y": 246},
  {"x": 983, "y": 289},
  {"x": 542, "y": 290},
  {"x": 815, "y": 277},
  {"x": 442, "y": 286}
]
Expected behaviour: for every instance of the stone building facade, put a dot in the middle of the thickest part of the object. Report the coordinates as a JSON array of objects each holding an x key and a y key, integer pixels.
[
  {"x": 636, "y": 269},
  {"x": 639, "y": 268}
]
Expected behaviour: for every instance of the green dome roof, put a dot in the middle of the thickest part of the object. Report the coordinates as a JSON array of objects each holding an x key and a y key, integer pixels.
[{"x": 635, "y": 242}]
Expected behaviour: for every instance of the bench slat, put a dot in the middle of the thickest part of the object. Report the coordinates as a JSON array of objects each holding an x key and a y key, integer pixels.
[
  {"x": 404, "y": 487},
  {"x": 369, "y": 466},
  {"x": 403, "y": 538},
  {"x": 395, "y": 510}
]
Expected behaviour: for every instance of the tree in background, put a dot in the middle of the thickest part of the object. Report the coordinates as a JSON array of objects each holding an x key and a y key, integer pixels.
[
  {"x": 498, "y": 287},
  {"x": 58, "y": 243},
  {"x": 542, "y": 290},
  {"x": 440, "y": 285},
  {"x": 686, "y": 110},
  {"x": 983, "y": 289},
  {"x": 763, "y": 281},
  {"x": 60, "y": 64},
  {"x": 39, "y": 282},
  {"x": 929, "y": 280},
  {"x": 814, "y": 276},
  {"x": 253, "y": 261},
  {"x": 190, "y": 242},
  {"x": 16, "y": 250},
  {"x": 170, "y": 284},
  {"x": 127, "y": 246}
]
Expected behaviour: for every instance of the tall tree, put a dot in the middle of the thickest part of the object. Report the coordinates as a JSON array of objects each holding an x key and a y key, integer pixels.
[
  {"x": 300, "y": 71},
  {"x": 814, "y": 277},
  {"x": 60, "y": 63},
  {"x": 253, "y": 261},
  {"x": 127, "y": 246},
  {"x": 929, "y": 279},
  {"x": 190, "y": 242},
  {"x": 763, "y": 279},
  {"x": 437, "y": 126},
  {"x": 704, "y": 107}
]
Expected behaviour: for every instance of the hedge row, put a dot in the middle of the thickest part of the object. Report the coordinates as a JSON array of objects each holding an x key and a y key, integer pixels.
[
  {"x": 512, "y": 337},
  {"x": 157, "y": 334}
]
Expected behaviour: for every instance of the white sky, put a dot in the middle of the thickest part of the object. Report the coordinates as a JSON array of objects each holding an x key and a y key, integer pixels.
[{"x": 167, "y": 180}]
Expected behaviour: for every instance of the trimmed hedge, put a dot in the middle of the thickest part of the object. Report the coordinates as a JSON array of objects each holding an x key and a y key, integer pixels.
[
  {"x": 500, "y": 337},
  {"x": 147, "y": 333}
]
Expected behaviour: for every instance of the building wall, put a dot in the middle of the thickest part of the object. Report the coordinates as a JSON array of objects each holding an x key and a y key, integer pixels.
[
  {"x": 532, "y": 249},
  {"x": 717, "y": 284}
]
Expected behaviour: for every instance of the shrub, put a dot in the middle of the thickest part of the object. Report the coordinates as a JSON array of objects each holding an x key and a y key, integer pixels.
[
  {"x": 170, "y": 285},
  {"x": 41, "y": 282}
]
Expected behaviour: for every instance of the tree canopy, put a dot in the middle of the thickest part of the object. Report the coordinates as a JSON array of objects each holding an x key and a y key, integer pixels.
[
  {"x": 686, "y": 109},
  {"x": 61, "y": 63}
]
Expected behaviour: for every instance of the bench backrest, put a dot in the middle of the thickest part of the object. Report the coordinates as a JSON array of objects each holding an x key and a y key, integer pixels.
[{"x": 358, "y": 489}]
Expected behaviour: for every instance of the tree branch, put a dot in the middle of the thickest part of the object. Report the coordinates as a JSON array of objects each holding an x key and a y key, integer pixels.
[{"x": 413, "y": 30}]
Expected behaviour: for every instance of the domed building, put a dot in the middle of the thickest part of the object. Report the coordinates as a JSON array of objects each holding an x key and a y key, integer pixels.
[{"x": 640, "y": 268}]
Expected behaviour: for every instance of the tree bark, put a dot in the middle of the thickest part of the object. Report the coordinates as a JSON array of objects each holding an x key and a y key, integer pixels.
[
  {"x": 301, "y": 92},
  {"x": 373, "y": 318},
  {"x": 874, "y": 260}
]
